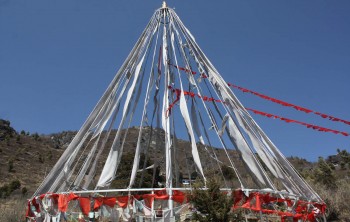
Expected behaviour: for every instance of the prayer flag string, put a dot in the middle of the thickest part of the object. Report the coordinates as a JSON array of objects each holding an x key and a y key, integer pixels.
[
  {"x": 314, "y": 127},
  {"x": 283, "y": 103},
  {"x": 211, "y": 99},
  {"x": 299, "y": 108}
]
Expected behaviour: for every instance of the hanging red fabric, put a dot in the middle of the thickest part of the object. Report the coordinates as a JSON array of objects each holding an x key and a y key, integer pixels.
[
  {"x": 29, "y": 213},
  {"x": 36, "y": 206},
  {"x": 84, "y": 203},
  {"x": 148, "y": 198},
  {"x": 238, "y": 197},
  {"x": 108, "y": 201},
  {"x": 161, "y": 195},
  {"x": 178, "y": 196},
  {"x": 62, "y": 202},
  {"x": 302, "y": 212},
  {"x": 123, "y": 201},
  {"x": 64, "y": 199},
  {"x": 98, "y": 203},
  {"x": 178, "y": 93}
]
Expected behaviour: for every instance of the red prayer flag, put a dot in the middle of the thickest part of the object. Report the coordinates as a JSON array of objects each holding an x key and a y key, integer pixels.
[
  {"x": 62, "y": 202},
  {"x": 299, "y": 108},
  {"x": 122, "y": 201},
  {"x": 84, "y": 205}
]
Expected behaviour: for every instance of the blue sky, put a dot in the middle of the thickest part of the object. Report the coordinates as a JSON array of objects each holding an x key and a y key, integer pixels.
[{"x": 58, "y": 57}]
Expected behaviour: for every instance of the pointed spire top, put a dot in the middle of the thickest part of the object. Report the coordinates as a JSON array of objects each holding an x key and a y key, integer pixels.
[{"x": 164, "y": 5}]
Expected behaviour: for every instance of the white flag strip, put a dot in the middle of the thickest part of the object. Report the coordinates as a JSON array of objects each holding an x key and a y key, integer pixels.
[
  {"x": 246, "y": 153},
  {"x": 287, "y": 182},
  {"x": 166, "y": 103},
  {"x": 113, "y": 103},
  {"x": 110, "y": 166},
  {"x": 268, "y": 160},
  {"x": 212, "y": 119},
  {"x": 213, "y": 82},
  {"x": 114, "y": 157},
  {"x": 223, "y": 125},
  {"x": 287, "y": 165},
  {"x": 92, "y": 170},
  {"x": 186, "y": 117},
  {"x": 195, "y": 123},
  {"x": 87, "y": 163},
  {"x": 114, "y": 111},
  {"x": 111, "y": 107},
  {"x": 300, "y": 182},
  {"x": 226, "y": 88},
  {"x": 55, "y": 176},
  {"x": 67, "y": 171},
  {"x": 153, "y": 77},
  {"x": 217, "y": 85},
  {"x": 216, "y": 81},
  {"x": 147, "y": 168},
  {"x": 144, "y": 113}
]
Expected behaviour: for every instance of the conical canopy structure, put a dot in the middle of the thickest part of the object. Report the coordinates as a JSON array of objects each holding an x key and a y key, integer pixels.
[{"x": 165, "y": 93}]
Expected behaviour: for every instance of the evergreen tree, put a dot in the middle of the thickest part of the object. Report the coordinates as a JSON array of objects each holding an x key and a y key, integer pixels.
[
  {"x": 211, "y": 204},
  {"x": 123, "y": 174},
  {"x": 324, "y": 174},
  {"x": 345, "y": 158}
]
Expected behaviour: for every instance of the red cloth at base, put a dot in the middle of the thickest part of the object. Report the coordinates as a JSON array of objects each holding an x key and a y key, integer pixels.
[
  {"x": 123, "y": 201},
  {"x": 84, "y": 205},
  {"x": 109, "y": 201}
]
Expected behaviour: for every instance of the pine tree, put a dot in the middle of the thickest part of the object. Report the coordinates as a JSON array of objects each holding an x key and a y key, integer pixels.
[
  {"x": 211, "y": 204},
  {"x": 324, "y": 174}
]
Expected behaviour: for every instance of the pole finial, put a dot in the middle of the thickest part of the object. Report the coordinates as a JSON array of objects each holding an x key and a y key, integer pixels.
[{"x": 164, "y": 5}]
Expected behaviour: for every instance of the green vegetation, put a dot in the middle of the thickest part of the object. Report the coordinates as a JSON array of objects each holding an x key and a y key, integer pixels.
[
  {"x": 7, "y": 139},
  {"x": 7, "y": 189},
  {"x": 228, "y": 172},
  {"x": 49, "y": 155},
  {"x": 344, "y": 159},
  {"x": 24, "y": 191},
  {"x": 144, "y": 179},
  {"x": 18, "y": 138},
  {"x": 36, "y": 137},
  {"x": 10, "y": 166},
  {"x": 324, "y": 174},
  {"x": 333, "y": 185},
  {"x": 211, "y": 204},
  {"x": 41, "y": 158}
]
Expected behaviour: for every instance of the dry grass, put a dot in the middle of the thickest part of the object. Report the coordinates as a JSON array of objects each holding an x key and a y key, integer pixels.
[
  {"x": 337, "y": 200},
  {"x": 12, "y": 210}
]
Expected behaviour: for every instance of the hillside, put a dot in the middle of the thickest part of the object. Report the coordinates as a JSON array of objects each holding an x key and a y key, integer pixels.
[
  {"x": 25, "y": 159},
  {"x": 29, "y": 157}
]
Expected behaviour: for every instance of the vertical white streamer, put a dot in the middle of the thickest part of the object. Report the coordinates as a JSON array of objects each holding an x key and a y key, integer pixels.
[{"x": 110, "y": 166}]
